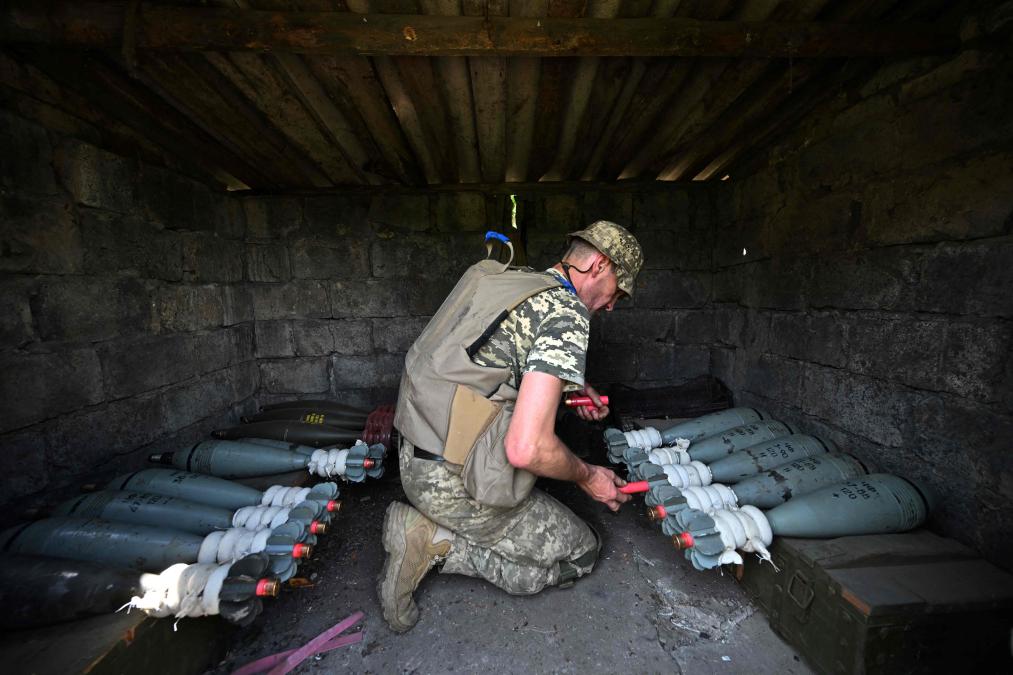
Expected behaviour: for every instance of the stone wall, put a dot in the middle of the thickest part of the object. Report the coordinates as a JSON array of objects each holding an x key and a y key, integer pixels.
[
  {"x": 342, "y": 285},
  {"x": 864, "y": 283},
  {"x": 125, "y": 323},
  {"x": 140, "y": 309}
]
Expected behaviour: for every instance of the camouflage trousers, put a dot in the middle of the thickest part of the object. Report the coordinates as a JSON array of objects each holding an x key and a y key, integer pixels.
[{"x": 522, "y": 549}]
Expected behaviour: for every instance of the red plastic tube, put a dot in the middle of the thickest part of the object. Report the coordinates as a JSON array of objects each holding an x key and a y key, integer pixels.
[
  {"x": 333, "y": 505},
  {"x": 683, "y": 540},
  {"x": 267, "y": 588},
  {"x": 635, "y": 488},
  {"x": 316, "y": 527},
  {"x": 302, "y": 551},
  {"x": 657, "y": 512},
  {"x": 583, "y": 401}
]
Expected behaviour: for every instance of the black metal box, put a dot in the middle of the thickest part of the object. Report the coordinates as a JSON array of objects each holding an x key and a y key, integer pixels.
[{"x": 908, "y": 603}]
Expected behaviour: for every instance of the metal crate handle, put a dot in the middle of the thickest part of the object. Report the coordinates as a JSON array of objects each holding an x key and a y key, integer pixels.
[{"x": 804, "y": 596}]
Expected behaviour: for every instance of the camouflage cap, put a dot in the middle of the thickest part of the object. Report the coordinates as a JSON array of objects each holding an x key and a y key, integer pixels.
[{"x": 620, "y": 246}]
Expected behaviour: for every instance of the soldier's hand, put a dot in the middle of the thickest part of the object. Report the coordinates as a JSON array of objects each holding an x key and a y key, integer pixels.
[
  {"x": 603, "y": 486},
  {"x": 592, "y": 414}
]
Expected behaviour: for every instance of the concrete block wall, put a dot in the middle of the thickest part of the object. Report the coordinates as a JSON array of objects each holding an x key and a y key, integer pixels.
[
  {"x": 864, "y": 283},
  {"x": 342, "y": 285},
  {"x": 125, "y": 323}
]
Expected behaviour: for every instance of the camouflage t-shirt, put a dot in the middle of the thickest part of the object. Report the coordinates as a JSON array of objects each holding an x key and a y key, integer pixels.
[{"x": 547, "y": 333}]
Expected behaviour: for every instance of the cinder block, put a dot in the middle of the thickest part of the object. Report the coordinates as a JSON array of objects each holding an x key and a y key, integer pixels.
[
  {"x": 311, "y": 337},
  {"x": 166, "y": 198},
  {"x": 371, "y": 298},
  {"x": 117, "y": 244},
  {"x": 195, "y": 400},
  {"x": 776, "y": 378},
  {"x": 40, "y": 235},
  {"x": 273, "y": 339},
  {"x": 828, "y": 340},
  {"x": 27, "y": 167},
  {"x": 725, "y": 365},
  {"x": 632, "y": 326},
  {"x": 297, "y": 299},
  {"x": 400, "y": 212},
  {"x": 208, "y": 257},
  {"x": 221, "y": 348},
  {"x": 295, "y": 375},
  {"x": 267, "y": 262},
  {"x": 975, "y": 358},
  {"x": 39, "y": 386},
  {"x": 875, "y": 410},
  {"x": 969, "y": 199},
  {"x": 611, "y": 363},
  {"x": 336, "y": 217},
  {"x": 667, "y": 289},
  {"x": 95, "y": 177},
  {"x": 15, "y": 312},
  {"x": 544, "y": 251},
  {"x": 422, "y": 256},
  {"x": 559, "y": 214},
  {"x": 788, "y": 334},
  {"x": 186, "y": 307},
  {"x": 336, "y": 259},
  {"x": 70, "y": 308},
  {"x": 26, "y": 470},
  {"x": 272, "y": 217},
  {"x": 608, "y": 205},
  {"x": 352, "y": 336},
  {"x": 134, "y": 366},
  {"x": 972, "y": 278},
  {"x": 246, "y": 381},
  {"x": 367, "y": 372},
  {"x": 695, "y": 327},
  {"x": 90, "y": 438},
  {"x": 237, "y": 304},
  {"x": 327, "y": 336},
  {"x": 729, "y": 324},
  {"x": 906, "y": 350},
  {"x": 463, "y": 212},
  {"x": 397, "y": 334},
  {"x": 666, "y": 210},
  {"x": 886, "y": 279},
  {"x": 205, "y": 209},
  {"x": 230, "y": 218},
  {"x": 660, "y": 361}
]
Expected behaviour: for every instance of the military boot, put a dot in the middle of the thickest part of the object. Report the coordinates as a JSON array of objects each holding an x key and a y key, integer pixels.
[{"x": 408, "y": 540}]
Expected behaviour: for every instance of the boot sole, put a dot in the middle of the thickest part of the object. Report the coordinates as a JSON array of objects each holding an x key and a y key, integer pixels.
[{"x": 394, "y": 545}]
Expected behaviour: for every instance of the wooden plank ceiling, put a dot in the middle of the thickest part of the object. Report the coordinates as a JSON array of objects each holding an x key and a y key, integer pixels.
[{"x": 275, "y": 119}]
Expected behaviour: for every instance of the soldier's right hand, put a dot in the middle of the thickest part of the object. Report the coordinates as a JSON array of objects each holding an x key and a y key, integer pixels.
[{"x": 603, "y": 486}]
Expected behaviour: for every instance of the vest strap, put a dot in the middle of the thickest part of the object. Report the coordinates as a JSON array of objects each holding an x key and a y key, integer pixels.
[{"x": 491, "y": 236}]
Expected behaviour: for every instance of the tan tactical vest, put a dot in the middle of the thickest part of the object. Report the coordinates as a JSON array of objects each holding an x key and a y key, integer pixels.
[{"x": 450, "y": 406}]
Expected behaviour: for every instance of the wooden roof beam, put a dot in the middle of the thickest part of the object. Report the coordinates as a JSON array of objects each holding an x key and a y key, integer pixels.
[{"x": 100, "y": 25}]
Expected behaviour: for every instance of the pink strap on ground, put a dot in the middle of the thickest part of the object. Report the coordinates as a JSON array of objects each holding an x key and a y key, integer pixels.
[{"x": 284, "y": 662}]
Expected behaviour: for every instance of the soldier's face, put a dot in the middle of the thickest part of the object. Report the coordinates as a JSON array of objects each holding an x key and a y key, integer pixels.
[{"x": 603, "y": 291}]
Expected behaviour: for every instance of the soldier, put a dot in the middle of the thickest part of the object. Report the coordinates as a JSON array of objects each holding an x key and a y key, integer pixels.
[{"x": 476, "y": 414}]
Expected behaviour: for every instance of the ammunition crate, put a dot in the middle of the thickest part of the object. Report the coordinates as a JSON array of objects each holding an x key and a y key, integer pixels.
[{"x": 902, "y": 603}]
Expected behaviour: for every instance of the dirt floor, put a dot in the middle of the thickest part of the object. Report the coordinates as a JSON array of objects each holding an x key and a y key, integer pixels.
[{"x": 644, "y": 609}]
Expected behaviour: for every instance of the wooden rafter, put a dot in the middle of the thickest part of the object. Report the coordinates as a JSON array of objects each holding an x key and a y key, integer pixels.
[{"x": 162, "y": 27}]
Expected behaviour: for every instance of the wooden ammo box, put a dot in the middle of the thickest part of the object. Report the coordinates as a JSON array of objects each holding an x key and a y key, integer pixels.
[{"x": 900, "y": 603}]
